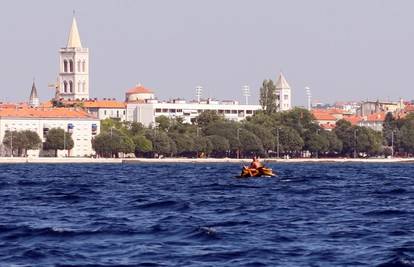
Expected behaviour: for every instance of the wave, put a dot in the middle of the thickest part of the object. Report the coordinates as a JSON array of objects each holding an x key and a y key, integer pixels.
[
  {"x": 166, "y": 204},
  {"x": 386, "y": 212}
]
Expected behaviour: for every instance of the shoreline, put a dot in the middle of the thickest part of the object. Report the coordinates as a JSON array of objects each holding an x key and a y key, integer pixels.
[{"x": 16, "y": 160}]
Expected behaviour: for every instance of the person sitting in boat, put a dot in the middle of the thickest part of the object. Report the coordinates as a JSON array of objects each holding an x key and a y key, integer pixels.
[{"x": 256, "y": 164}]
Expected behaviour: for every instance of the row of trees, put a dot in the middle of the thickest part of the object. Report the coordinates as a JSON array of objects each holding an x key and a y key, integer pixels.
[
  {"x": 19, "y": 142},
  {"x": 266, "y": 134}
]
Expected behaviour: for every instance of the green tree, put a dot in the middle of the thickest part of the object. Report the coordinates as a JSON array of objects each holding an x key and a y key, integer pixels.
[
  {"x": 58, "y": 139},
  {"x": 335, "y": 144},
  {"x": 346, "y": 133},
  {"x": 407, "y": 136},
  {"x": 161, "y": 143},
  {"x": 289, "y": 140},
  {"x": 250, "y": 143},
  {"x": 110, "y": 144},
  {"x": 163, "y": 122},
  {"x": 263, "y": 133},
  {"x": 268, "y": 97},
  {"x": 202, "y": 145},
  {"x": 317, "y": 143},
  {"x": 184, "y": 143},
  {"x": 142, "y": 145},
  {"x": 207, "y": 117},
  {"x": 220, "y": 145}
]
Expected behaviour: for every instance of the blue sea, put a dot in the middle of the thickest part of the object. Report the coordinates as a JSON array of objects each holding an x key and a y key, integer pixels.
[{"x": 200, "y": 215}]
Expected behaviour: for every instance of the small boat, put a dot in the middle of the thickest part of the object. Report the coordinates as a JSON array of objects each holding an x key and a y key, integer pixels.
[{"x": 250, "y": 172}]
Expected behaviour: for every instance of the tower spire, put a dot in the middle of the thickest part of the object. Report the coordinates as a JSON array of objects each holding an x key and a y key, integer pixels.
[
  {"x": 74, "y": 38},
  {"x": 34, "y": 98}
]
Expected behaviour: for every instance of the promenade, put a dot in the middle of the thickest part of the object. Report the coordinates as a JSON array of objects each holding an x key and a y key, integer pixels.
[{"x": 16, "y": 160}]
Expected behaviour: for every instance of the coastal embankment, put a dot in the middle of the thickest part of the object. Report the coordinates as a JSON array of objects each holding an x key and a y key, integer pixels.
[{"x": 49, "y": 160}]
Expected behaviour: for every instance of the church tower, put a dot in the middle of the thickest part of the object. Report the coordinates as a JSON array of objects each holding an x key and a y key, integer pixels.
[
  {"x": 283, "y": 94},
  {"x": 34, "y": 98},
  {"x": 74, "y": 67}
]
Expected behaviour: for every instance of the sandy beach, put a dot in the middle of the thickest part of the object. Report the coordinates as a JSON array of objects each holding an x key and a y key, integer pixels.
[{"x": 8, "y": 160}]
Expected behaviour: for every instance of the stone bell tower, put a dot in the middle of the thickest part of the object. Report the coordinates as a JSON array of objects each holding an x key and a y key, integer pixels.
[{"x": 74, "y": 67}]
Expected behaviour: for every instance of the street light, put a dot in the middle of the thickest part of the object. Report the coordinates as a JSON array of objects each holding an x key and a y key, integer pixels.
[
  {"x": 308, "y": 94},
  {"x": 11, "y": 143},
  {"x": 277, "y": 147},
  {"x": 355, "y": 143},
  {"x": 246, "y": 93},
  {"x": 392, "y": 143},
  {"x": 238, "y": 139},
  {"x": 64, "y": 141}
]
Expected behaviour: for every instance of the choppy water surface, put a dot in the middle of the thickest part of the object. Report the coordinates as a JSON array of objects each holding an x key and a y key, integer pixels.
[{"x": 199, "y": 215}]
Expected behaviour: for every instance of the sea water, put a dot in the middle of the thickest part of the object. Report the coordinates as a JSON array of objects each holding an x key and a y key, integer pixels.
[{"x": 200, "y": 215}]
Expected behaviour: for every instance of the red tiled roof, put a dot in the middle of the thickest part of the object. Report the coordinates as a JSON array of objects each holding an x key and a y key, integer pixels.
[
  {"x": 353, "y": 119},
  {"x": 45, "y": 113},
  {"x": 319, "y": 116},
  {"x": 104, "y": 104},
  {"x": 376, "y": 117},
  {"x": 139, "y": 90}
]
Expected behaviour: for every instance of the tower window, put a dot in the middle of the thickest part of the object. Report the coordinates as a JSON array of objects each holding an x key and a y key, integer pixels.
[
  {"x": 79, "y": 66},
  {"x": 79, "y": 87},
  {"x": 65, "y": 86},
  {"x": 71, "y": 65},
  {"x": 65, "y": 65},
  {"x": 70, "y": 87},
  {"x": 84, "y": 87},
  {"x": 83, "y": 66}
]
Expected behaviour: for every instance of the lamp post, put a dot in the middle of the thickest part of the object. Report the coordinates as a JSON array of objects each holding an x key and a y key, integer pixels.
[
  {"x": 308, "y": 94},
  {"x": 238, "y": 139},
  {"x": 11, "y": 144},
  {"x": 392, "y": 143},
  {"x": 64, "y": 142},
  {"x": 246, "y": 93},
  {"x": 355, "y": 143},
  {"x": 277, "y": 147}
]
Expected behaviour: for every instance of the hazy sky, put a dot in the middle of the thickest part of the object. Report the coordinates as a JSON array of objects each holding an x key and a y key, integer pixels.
[{"x": 343, "y": 50}]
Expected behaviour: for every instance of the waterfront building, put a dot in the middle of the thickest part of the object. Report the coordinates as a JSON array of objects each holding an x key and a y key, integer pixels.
[
  {"x": 144, "y": 108},
  {"x": 283, "y": 94},
  {"x": 74, "y": 67},
  {"x": 82, "y": 126}
]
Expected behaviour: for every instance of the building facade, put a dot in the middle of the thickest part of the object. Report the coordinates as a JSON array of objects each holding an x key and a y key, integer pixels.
[
  {"x": 146, "y": 112},
  {"x": 74, "y": 67},
  {"x": 82, "y": 126},
  {"x": 106, "y": 109}
]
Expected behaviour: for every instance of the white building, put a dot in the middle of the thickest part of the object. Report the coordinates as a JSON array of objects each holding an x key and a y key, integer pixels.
[
  {"x": 106, "y": 109},
  {"x": 80, "y": 124},
  {"x": 283, "y": 94},
  {"x": 74, "y": 67},
  {"x": 146, "y": 112}
]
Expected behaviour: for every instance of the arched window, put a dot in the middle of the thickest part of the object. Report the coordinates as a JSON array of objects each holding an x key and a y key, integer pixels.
[
  {"x": 65, "y": 86},
  {"x": 84, "y": 87},
  {"x": 79, "y": 87},
  {"x": 65, "y": 65},
  {"x": 71, "y": 65},
  {"x": 83, "y": 66},
  {"x": 79, "y": 65},
  {"x": 70, "y": 87}
]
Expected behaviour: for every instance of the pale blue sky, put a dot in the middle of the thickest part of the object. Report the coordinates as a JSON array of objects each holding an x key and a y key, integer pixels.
[{"x": 343, "y": 50}]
